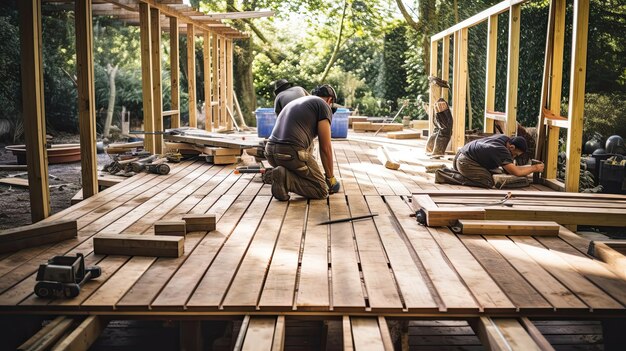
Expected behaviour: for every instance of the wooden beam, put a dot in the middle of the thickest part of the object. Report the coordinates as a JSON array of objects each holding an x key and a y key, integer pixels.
[
  {"x": 157, "y": 89},
  {"x": 445, "y": 64},
  {"x": 215, "y": 81},
  {"x": 490, "y": 69},
  {"x": 199, "y": 222},
  {"x": 139, "y": 245},
  {"x": 348, "y": 343},
  {"x": 495, "y": 227},
  {"x": 206, "y": 75},
  {"x": 504, "y": 334},
  {"x": 175, "y": 227},
  {"x": 191, "y": 74},
  {"x": 146, "y": 76},
  {"x": 609, "y": 217},
  {"x": 222, "y": 98},
  {"x": 512, "y": 70},
  {"x": 613, "y": 258},
  {"x": 48, "y": 335},
  {"x": 174, "y": 72},
  {"x": 229, "y": 82},
  {"x": 84, "y": 335},
  {"x": 33, "y": 109},
  {"x": 234, "y": 15},
  {"x": 577, "y": 94},
  {"x": 435, "y": 91},
  {"x": 460, "y": 88}
]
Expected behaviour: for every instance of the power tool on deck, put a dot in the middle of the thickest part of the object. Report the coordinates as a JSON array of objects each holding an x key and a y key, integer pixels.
[
  {"x": 63, "y": 276},
  {"x": 262, "y": 167}
]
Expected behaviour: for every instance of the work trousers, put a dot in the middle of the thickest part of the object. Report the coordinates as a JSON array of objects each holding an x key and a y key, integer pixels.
[
  {"x": 475, "y": 174},
  {"x": 442, "y": 133},
  {"x": 303, "y": 175}
]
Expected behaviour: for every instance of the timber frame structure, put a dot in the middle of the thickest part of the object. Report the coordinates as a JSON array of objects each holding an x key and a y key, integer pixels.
[
  {"x": 153, "y": 17},
  {"x": 550, "y": 119}
]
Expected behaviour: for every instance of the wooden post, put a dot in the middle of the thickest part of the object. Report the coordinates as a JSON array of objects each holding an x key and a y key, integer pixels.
[
  {"x": 445, "y": 64},
  {"x": 215, "y": 76},
  {"x": 175, "y": 72},
  {"x": 490, "y": 70},
  {"x": 577, "y": 94},
  {"x": 556, "y": 81},
  {"x": 191, "y": 74},
  {"x": 512, "y": 70},
  {"x": 86, "y": 98},
  {"x": 33, "y": 108},
  {"x": 206, "y": 64},
  {"x": 435, "y": 91},
  {"x": 229, "y": 82},
  {"x": 459, "y": 85},
  {"x": 146, "y": 76},
  {"x": 157, "y": 90},
  {"x": 223, "y": 115}
]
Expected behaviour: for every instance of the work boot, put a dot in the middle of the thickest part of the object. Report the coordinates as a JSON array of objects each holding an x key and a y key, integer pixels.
[{"x": 279, "y": 183}]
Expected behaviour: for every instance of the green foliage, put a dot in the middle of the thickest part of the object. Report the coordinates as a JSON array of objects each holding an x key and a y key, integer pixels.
[
  {"x": 10, "y": 94},
  {"x": 605, "y": 114}
]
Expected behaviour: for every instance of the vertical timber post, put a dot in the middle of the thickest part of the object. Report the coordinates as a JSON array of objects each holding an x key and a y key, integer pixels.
[
  {"x": 512, "y": 70},
  {"x": 577, "y": 94},
  {"x": 445, "y": 64},
  {"x": 146, "y": 76},
  {"x": 33, "y": 110},
  {"x": 215, "y": 78},
  {"x": 223, "y": 116},
  {"x": 490, "y": 69},
  {"x": 206, "y": 64},
  {"x": 229, "y": 83},
  {"x": 434, "y": 89},
  {"x": 175, "y": 72},
  {"x": 191, "y": 74},
  {"x": 86, "y": 97},
  {"x": 157, "y": 90}
]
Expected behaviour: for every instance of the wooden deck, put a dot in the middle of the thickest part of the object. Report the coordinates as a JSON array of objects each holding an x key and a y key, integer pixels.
[{"x": 271, "y": 257}]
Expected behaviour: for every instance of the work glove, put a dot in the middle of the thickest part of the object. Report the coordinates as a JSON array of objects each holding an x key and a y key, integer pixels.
[{"x": 333, "y": 185}]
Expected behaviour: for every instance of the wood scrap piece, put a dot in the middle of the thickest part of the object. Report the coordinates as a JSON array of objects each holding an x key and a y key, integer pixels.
[
  {"x": 607, "y": 254},
  {"x": 446, "y": 216},
  {"x": 138, "y": 245},
  {"x": 221, "y": 160},
  {"x": 48, "y": 335},
  {"x": 361, "y": 126},
  {"x": 610, "y": 217},
  {"x": 78, "y": 197},
  {"x": 386, "y": 159},
  {"x": 37, "y": 234},
  {"x": 404, "y": 135},
  {"x": 200, "y": 222},
  {"x": 170, "y": 228},
  {"x": 15, "y": 182},
  {"x": 222, "y": 151},
  {"x": 493, "y": 227},
  {"x": 13, "y": 167}
]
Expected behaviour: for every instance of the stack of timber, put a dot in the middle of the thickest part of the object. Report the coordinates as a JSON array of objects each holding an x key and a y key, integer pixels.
[
  {"x": 374, "y": 127},
  {"x": 139, "y": 245},
  {"x": 37, "y": 234},
  {"x": 221, "y": 155},
  {"x": 444, "y": 207},
  {"x": 352, "y": 119},
  {"x": 120, "y": 148},
  {"x": 209, "y": 139}
]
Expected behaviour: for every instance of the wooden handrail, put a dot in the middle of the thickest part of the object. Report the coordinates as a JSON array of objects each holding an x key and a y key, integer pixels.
[{"x": 170, "y": 113}]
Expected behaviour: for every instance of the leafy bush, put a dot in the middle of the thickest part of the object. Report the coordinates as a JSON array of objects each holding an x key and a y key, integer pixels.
[{"x": 604, "y": 114}]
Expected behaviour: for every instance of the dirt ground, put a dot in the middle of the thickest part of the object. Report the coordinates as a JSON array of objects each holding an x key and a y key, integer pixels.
[{"x": 65, "y": 182}]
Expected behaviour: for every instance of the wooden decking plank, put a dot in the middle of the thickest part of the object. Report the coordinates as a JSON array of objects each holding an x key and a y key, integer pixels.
[
  {"x": 484, "y": 288},
  {"x": 454, "y": 294},
  {"x": 256, "y": 183},
  {"x": 360, "y": 174},
  {"x": 279, "y": 288},
  {"x": 373, "y": 171},
  {"x": 240, "y": 185},
  {"x": 222, "y": 173},
  {"x": 390, "y": 176},
  {"x": 584, "y": 289},
  {"x": 313, "y": 283},
  {"x": 345, "y": 276},
  {"x": 351, "y": 187},
  {"x": 366, "y": 334},
  {"x": 593, "y": 270},
  {"x": 414, "y": 287},
  {"x": 549, "y": 287},
  {"x": 260, "y": 334},
  {"x": 247, "y": 284},
  {"x": 521, "y": 293},
  {"x": 177, "y": 291},
  {"x": 381, "y": 287},
  {"x": 214, "y": 285}
]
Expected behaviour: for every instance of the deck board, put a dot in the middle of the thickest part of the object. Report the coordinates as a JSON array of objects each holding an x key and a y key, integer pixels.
[{"x": 273, "y": 257}]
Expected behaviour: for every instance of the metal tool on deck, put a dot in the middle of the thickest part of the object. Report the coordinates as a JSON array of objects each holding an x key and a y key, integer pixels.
[
  {"x": 348, "y": 219},
  {"x": 264, "y": 168},
  {"x": 63, "y": 276}
]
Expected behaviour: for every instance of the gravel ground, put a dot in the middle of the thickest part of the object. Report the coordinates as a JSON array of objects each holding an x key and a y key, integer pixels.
[{"x": 65, "y": 180}]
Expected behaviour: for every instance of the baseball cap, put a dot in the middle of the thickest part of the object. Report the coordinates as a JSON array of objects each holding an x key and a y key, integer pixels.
[
  {"x": 519, "y": 142},
  {"x": 325, "y": 91}
]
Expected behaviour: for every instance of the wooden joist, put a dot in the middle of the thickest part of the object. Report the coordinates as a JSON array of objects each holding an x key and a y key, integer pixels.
[
  {"x": 199, "y": 222},
  {"x": 48, "y": 335},
  {"x": 170, "y": 228},
  {"x": 446, "y": 216},
  {"x": 138, "y": 245},
  {"x": 84, "y": 335},
  {"x": 609, "y": 217},
  {"x": 37, "y": 234},
  {"x": 106, "y": 181},
  {"x": 374, "y": 127},
  {"x": 509, "y": 334},
  {"x": 493, "y": 227},
  {"x": 366, "y": 333},
  {"x": 261, "y": 333},
  {"x": 404, "y": 135},
  {"x": 607, "y": 252},
  {"x": 386, "y": 159}
]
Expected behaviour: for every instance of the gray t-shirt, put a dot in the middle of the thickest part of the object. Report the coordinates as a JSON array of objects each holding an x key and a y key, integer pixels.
[
  {"x": 297, "y": 123},
  {"x": 489, "y": 152},
  {"x": 287, "y": 96}
]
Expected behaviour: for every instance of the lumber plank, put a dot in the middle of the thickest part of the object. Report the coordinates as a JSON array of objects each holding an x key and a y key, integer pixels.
[
  {"x": 525, "y": 193},
  {"x": 37, "y": 234},
  {"x": 366, "y": 334},
  {"x": 260, "y": 334},
  {"x": 392, "y": 181},
  {"x": 48, "y": 335},
  {"x": 446, "y": 216},
  {"x": 13, "y": 167},
  {"x": 386, "y": 159},
  {"x": 521, "y": 293},
  {"x": 214, "y": 285},
  {"x": 535, "y": 334},
  {"x": 504, "y": 334},
  {"x": 348, "y": 343},
  {"x": 212, "y": 141},
  {"x": 138, "y": 245},
  {"x": 404, "y": 135},
  {"x": 494, "y": 227},
  {"x": 313, "y": 287},
  {"x": 15, "y": 182},
  {"x": 199, "y": 222},
  {"x": 345, "y": 276},
  {"x": 613, "y": 258},
  {"x": 280, "y": 284},
  {"x": 453, "y": 293},
  {"x": 278, "y": 343},
  {"x": 385, "y": 333},
  {"x": 481, "y": 284},
  {"x": 84, "y": 335},
  {"x": 170, "y": 228},
  {"x": 381, "y": 288},
  {"x": 222, "y": 160},
  {"x": 179, "y": 288},
  {"x": 565, "y": 215},
  {"x": 222, "y": 151}
]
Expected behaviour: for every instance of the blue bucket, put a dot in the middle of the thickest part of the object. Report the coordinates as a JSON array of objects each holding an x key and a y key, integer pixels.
[
  {"x": 265, "y": 120},
  {"x": 339, "y": 124}
]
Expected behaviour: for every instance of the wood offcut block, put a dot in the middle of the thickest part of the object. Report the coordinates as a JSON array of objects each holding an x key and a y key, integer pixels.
[
  {"x": 200, "y": 222},
  {"x": 446, "y": 216},
  {"x": 222, "y": 151},
  {"x": 352, "y": 119},
  {"x": 170, "y": 228},
  {"x": 403, "y": 135},
  {"x": 139, "y": 245},
  {"x": 37, "y": 234},
  {"x": 534, "y": 228},
  {"x": 222, "y": 160}
]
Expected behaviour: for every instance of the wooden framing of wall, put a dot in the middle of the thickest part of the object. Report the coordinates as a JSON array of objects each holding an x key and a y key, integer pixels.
[
  {"x": 222, "y": 78},
  {"x": 206, "y": 68},
  {"x": 215, "y": 97},
  {"x": 229, "y": 83},
  {"x": 550, "y": 120},
  {"x": 151, "y": 16},
  {"x": 191, "y": 74}
]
